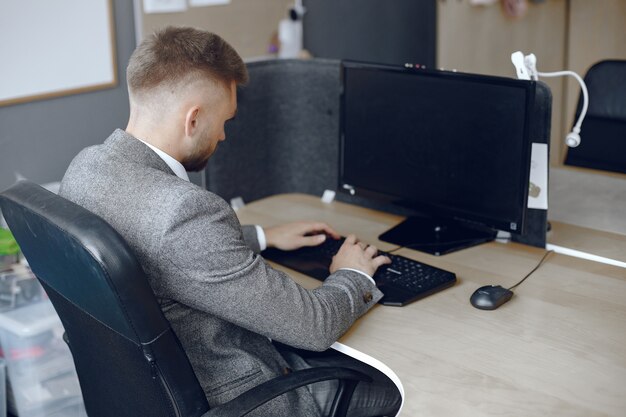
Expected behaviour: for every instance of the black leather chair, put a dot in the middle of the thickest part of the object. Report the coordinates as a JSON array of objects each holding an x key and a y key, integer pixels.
[
  {"x": 128, "y": 359},
  {"x": 603, "y": 132}
]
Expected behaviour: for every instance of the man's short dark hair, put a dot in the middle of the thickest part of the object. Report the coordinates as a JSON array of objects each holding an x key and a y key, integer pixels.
[{"x": 173, "y": 53}]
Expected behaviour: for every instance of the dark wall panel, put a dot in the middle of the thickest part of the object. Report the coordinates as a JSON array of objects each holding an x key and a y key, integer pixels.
[{"x": 384, "y": 31}]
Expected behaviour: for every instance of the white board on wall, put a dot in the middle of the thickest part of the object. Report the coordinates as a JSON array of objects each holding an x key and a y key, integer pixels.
[{"x": 51, "y": 48}]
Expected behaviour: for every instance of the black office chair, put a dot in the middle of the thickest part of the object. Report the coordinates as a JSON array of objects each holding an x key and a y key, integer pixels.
[
  {"x": 603, "y": 132},
  {"x": 128, "y": 359}
]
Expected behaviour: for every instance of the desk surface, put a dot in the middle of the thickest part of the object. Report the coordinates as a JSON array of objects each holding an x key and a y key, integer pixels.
[{"x": 557, "y": 348}]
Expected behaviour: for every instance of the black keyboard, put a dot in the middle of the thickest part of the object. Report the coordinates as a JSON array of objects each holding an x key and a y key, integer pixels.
[{"x": 403, "y": 281}]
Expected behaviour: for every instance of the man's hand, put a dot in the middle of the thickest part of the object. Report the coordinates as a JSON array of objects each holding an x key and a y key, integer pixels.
[
  {"x": 360, "y": 256},
  {"x": 291, "y": 236}
]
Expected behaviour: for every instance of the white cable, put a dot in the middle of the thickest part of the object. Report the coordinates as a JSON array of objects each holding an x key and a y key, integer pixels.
[
  {"x": 585, "y": 255},
  {"x": 583, "y": 87},
  {"x": 526, "y": 67}
]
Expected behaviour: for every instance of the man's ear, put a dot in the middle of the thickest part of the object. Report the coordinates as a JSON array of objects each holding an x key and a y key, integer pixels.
[{"x": 191, "y": 120}]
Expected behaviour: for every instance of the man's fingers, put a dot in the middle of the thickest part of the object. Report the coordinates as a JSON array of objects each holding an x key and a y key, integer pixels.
[
  {"x": 312, "y": 240},
  {"x": 350, "y": 240},
  {"x": 316, "y": 228},
  {"x": 371, "y": 251},
  {"x": 328, "y": 230},
  {"x": 381, "y": 260}
]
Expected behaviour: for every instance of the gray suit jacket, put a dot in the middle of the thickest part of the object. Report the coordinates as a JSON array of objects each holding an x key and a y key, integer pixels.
[{"x": 223, "y": 301}]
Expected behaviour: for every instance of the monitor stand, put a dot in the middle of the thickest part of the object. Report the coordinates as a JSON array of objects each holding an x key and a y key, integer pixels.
[{"x": 435, "y": 236}]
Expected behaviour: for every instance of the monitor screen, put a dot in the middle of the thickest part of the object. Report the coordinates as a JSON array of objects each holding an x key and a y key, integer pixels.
[{"x": 449, "y": 145}]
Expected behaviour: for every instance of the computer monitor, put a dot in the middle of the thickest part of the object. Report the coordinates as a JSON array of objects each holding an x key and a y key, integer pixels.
[{"x": 454, "y": 147}]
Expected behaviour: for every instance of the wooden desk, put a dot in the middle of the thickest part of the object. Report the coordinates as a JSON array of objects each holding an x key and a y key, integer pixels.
[
  {"x": 597, "y": 242},
  {"x": 558, "y": 348}
]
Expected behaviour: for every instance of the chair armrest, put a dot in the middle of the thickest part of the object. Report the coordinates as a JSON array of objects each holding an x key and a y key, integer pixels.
[{"x": 259, "y": 395}]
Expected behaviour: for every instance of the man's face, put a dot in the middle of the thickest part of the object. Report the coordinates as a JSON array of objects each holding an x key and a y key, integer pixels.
[{"x": 211, "y": 124}]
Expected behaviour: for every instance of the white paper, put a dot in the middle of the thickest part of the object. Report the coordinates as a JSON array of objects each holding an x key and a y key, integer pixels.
[
  {"x": 482, "y": 2},
  {"x": 196, "y": 3},
  {"x": 164, "y": 6},
  {"x": 236, "y": 203},
  {"x": 328, "y": 196},
  {"x": 290, "y": 37},
  {"x": 538, "y": 187}
]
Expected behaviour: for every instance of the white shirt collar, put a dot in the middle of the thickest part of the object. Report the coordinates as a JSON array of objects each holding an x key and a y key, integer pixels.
[{"x": 174, "y": 165}]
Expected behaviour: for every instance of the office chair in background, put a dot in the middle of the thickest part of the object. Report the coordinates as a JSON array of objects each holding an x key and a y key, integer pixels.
[
  {"x": 128, "y": 359},
  {"x": 603, "y": 131}
]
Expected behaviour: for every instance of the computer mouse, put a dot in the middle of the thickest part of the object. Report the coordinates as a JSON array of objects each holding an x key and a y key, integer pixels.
[{"x": 490, "y": 297}]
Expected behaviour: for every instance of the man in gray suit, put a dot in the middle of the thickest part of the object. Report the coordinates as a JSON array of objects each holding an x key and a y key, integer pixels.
[{"x": 225, "y": 303}]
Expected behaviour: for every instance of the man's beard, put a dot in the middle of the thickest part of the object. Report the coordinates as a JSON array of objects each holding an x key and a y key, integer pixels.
[
  {"x": 195, "y": 163},
  {"x": 199, "y": 158}
]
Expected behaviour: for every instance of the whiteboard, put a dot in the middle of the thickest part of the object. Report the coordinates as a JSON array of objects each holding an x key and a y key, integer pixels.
[{"x": 51, "y": 48}]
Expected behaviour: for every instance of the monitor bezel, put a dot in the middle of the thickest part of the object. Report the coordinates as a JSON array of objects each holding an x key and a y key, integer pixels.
[{"x": 516, "y": 226}]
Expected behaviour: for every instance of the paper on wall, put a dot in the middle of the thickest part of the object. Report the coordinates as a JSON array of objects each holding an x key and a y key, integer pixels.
[
  {"x": 196, "y": 3},
  {"x": 164, "y": 6}
]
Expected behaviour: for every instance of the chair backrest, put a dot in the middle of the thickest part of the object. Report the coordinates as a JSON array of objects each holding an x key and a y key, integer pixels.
[
  {"x": 286, "y": 134},
  {"x": 129, "y": 361},
  {"x": 603, "y": 132}
]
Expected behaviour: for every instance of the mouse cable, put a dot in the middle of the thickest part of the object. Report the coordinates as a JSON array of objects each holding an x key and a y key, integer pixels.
[{"x": 545, "y": 256}]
